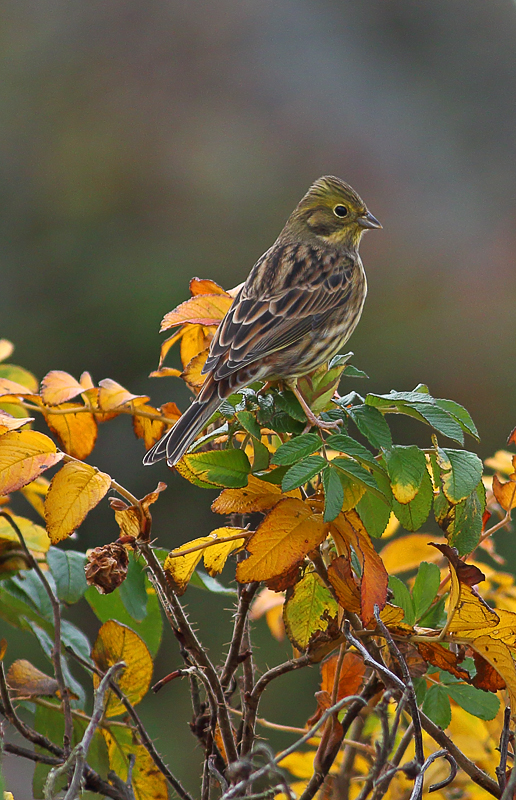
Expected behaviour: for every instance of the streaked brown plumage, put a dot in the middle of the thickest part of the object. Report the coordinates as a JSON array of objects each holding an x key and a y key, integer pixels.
[{"x": 298, "y": 307}]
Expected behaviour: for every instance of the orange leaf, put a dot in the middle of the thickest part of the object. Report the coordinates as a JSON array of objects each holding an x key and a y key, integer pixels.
[
  {"x": 373, "y": 585},
  {"x": 282, "y": 539},
  {"x": 77, "y": 432},
  {"x": 112, "y": 395},
  {"x": 58, "y": 387},
  {"x": 341, "y": 578},
  {"x": 114, "y": 643},
  {"x": 205, "y": 286},
  {"x": 498, "y": 655},
  {"x": 150, "y": 430},
  {"x": 205, "y": 309},
  {"x": 23, "y": 456},
  {"x": 73, "y": 492},
  {"x": 440, "y": 657},
  {"x": 165, "y": 372},
  {"x": 258, "y": 495},
  {"x": 351, "y": 674},
  {"x": 192, "y": 372},
  {"x": 505, "y": 493},
  {"x": 167, "y": 344},
  {"x": 194, "y": 341}
]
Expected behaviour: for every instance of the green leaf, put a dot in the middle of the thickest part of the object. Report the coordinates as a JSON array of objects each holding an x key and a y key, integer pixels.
[
  {"x": 304, "y": 608},
  {"x": 413, "y": 514},
  {"x": 349, "y": 446},
  {"x": 302, "y": 472},
  {"x": 436, "y": 705},
  {"x": 261, "y": 456},
  {"x": 224, "y": 468},
  {"x": 435, "y": 617},
  {"x": 248, "y": 421},
  {"x": 393, "y": 398},
  {"x": 201, "y": 580},
  {"x": 333, "y": 493},
  {"x": 28, "y": 588},
  {"x": 420, "y": 689},
  {"x": 288, "y": 403},
  {"x": 357, "y": 473},
  {"x": 467, "y": 521},
  {"x": 483, "y": 705},
  {"x": 402, "y": 599},
  {"x": 67, "y": 568},
  {"x": 406, "y": 466},
  {"x": 110, "y": 606},
  {"x": 460, "y": 414},
  {"x": 441, "y": 420},
  {"x": 372, "y": 424},
  {"x": 352, "y": 372},
  {"x": 462, "y": 471},
  {"x": 425, "y": 587},
  {"x": 274, "y": 476},
  {"x": 47, "y": 645},
  {"x": 374, "y": 513},
  {"x": 133, "y": 592},
  {"x": 297, "y": 448}
]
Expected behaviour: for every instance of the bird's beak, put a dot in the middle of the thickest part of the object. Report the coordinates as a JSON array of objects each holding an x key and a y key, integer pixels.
[{"x": 368, "y": 221}]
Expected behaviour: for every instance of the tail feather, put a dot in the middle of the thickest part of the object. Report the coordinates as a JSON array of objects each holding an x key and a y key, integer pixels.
[{"x": 174, "y": 444}]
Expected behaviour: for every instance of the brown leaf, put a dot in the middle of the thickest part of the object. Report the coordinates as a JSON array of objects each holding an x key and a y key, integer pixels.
[
  {"x": 434, "y": 653},
  {"x": 486, "y": 678},
  {"x": 342, "y": 579},
  {"x": 498, "y": 655},
  {"x": 24, "y": 679},
  {"x": 347, "y": 529},
  {"x": 351, "y": 674},
  {"x": 512, "y": 437},
  {"x": 282, "y": 582},
  {"x": 466, "y": 573},
  {"x": 107, "y": 567}
]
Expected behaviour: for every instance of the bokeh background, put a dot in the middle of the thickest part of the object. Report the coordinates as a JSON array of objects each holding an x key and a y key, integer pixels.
[{"x": 142, "y": 143}]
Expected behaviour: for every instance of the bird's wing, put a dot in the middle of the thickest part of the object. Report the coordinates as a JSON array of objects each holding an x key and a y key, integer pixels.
[{"x": 262, "y": 321}]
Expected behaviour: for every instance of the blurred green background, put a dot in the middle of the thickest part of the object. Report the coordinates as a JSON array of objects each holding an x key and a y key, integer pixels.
[{"x": 142, "y": 143}]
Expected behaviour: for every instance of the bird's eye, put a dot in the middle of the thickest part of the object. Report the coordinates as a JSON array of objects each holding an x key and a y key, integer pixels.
[{"x": 340, "y": 211}]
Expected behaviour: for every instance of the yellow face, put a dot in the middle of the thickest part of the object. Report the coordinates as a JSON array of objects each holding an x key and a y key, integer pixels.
[{"x": 331, "y": 210}]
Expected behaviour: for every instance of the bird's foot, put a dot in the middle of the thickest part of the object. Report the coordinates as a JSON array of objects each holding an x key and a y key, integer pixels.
[{"x": 313, "y": 419}]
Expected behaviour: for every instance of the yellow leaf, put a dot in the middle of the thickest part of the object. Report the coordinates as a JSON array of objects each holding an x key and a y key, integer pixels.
[
  {"x": 86, "y": 381},
  {"x": 58, "y": 387},
  {"x": 10, "y": 423},
  {"x": 35, "y": 536},
  {"x": 206, "y": 309},
  {"x": 192, "y": 372},
  {"x": 180, "y": 568},
  {"x": 77, "y": 432},
  {"x": 505, "y": 493},
  {"x": 128, "y": 520},
  {"x": 407, "y": 552},
  {"x": 26, "y": 680},
  {"x": 165, "y": 372},
  {"x": 12, "y": 387},
  {"x": 501, "y": 462},
  {"x": 284, "y": 538},
  {"x": 114, "y": 643},
  {"x": 391, "y": 615},
  {"x": 150, "y": 430},
  {"x": 73, "y": 492},
  {"x": 147, "y": 783},
  {"x": 499, "y": 656},
  {"x": 167, "y": 344},
  {"x": 265, "y": 601},
  {"x": 112, "y": 396},
  {"x": 35, "y": 492},
  {"x": 215, "y": 557},
  {"x": 470, "y": 615},
  {"x": 258, "y": 495},
  {"x": 6, "y": 349},
  {"x": 23, "y": 456},
  {"x": 195, "y": 339}
]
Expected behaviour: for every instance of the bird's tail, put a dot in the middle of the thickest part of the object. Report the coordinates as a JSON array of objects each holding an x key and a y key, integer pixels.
[{"x": 174, "y": 444}]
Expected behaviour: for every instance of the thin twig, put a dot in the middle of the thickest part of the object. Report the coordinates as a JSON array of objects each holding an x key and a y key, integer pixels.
[
  {"x": 501, "y": 769},
  {"x": 145, "y": 738},
  {"x": 56, "y": 648},
  {"x": 475, "y": 773},
  {"x": 31, "y": 755}
]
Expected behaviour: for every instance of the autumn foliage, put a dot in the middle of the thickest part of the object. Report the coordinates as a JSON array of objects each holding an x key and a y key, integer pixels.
[{"x": 414, "y": 632}]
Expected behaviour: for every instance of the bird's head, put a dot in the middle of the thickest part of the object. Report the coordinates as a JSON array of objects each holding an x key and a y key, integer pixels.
[{"x": 332, "y": 211}]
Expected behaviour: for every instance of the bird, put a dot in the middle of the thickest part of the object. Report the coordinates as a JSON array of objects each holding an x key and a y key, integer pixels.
[{"x": 300, "y": 304}]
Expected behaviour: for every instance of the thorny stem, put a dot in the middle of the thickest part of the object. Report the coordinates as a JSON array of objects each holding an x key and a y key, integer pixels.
[
  {"x": 190, "y": 642},
  {"x": 56, "y": 648}
]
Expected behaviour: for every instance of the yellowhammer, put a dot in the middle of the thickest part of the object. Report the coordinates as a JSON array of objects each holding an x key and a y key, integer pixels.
[{"x": 298, "y": 307}]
